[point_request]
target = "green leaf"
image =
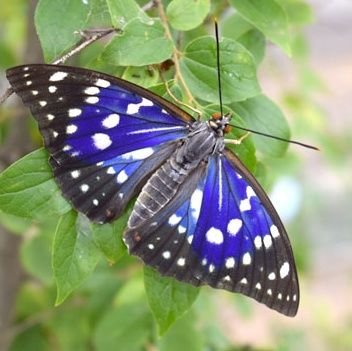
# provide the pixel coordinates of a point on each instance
(35, 256)
(72, 328)
(254, 41)
(108, 237)
(126, 328)
(142, 76)
(183, 335)
(237, 28)
(238, 71)
(27, 188)
(56, 22)
(269, 17)
(14, 224)
(74, 254)
(298, 12)
(263, 115)
(186, 14)
(123, 11)
(140, 44)
(168, 298)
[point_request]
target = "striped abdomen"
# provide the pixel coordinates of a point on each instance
(166, 181)
(158, 191)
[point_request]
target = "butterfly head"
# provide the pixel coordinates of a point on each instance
(220, 123)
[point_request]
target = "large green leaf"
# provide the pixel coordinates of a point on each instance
(269, 17)
(186, 14)
(168, 298)
(56, 23)
(123, 11)
(27, 188)
(125, 327)
(75, 254)
(237, 28)
(108, 237)
(238, 71)
(140, 44)
(183, 335)
(263, 115)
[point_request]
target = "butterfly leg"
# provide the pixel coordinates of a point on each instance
(198, 112)
(237, 141)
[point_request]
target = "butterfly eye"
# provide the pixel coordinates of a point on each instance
(216, 115)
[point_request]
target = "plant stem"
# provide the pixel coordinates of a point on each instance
(175, 55)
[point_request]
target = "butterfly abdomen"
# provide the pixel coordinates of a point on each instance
(163, 185)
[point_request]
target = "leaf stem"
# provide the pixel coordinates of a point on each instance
(176, 53)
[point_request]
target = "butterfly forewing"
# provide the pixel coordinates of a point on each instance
(224, 232)
(105, 135)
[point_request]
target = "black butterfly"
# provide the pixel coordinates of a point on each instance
(200, 215)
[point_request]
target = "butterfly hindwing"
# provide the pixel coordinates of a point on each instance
(224, 232)
(104, 135)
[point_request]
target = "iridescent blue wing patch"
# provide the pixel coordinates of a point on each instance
(105, 136)
(222, 231)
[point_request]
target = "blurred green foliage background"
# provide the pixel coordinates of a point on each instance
(106, 301)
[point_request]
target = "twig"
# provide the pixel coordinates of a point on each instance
(175, 55)
(149, 5)
(88, 37)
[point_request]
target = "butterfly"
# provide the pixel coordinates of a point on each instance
(200, 215)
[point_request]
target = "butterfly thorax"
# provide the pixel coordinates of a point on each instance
(190, 156)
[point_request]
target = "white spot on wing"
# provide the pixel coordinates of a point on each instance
(214, 236)
(258, 242)
(140, 154)
(134, 108)
(52, 89)
(181, 229)
(267, 241)
(258, 286)
(92, 100)
(122, 177)
(272, 276)
(92, 91)
(234, 226)
(29, 82)
(230, 262)
(247, 259)
(75, 174)
(111, 121)
(35, 92)
(71, 129)
(244, 281)
(74, 112)
(101, 141)
(50, 117)
(57, 76)
(181, 261)
(111, 170)
(95, 202)
(245, 205)
(196, 203)
(284, 270)
(102, 83)
(166, 254)
(42, 103)
(274, 231)
(84, 188)
(174, 219)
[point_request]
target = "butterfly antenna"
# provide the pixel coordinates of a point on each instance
(276, 137)
(218, 63)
